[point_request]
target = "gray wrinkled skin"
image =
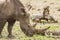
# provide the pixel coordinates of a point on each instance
(12, 10)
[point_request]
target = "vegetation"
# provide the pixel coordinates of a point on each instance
(19, 35)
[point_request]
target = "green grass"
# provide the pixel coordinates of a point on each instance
(21, 36)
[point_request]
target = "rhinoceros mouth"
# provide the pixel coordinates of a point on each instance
(32, 30)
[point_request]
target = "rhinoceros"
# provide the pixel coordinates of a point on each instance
(12, 11)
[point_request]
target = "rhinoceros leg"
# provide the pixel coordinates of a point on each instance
(2, 23)
(10, 26)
